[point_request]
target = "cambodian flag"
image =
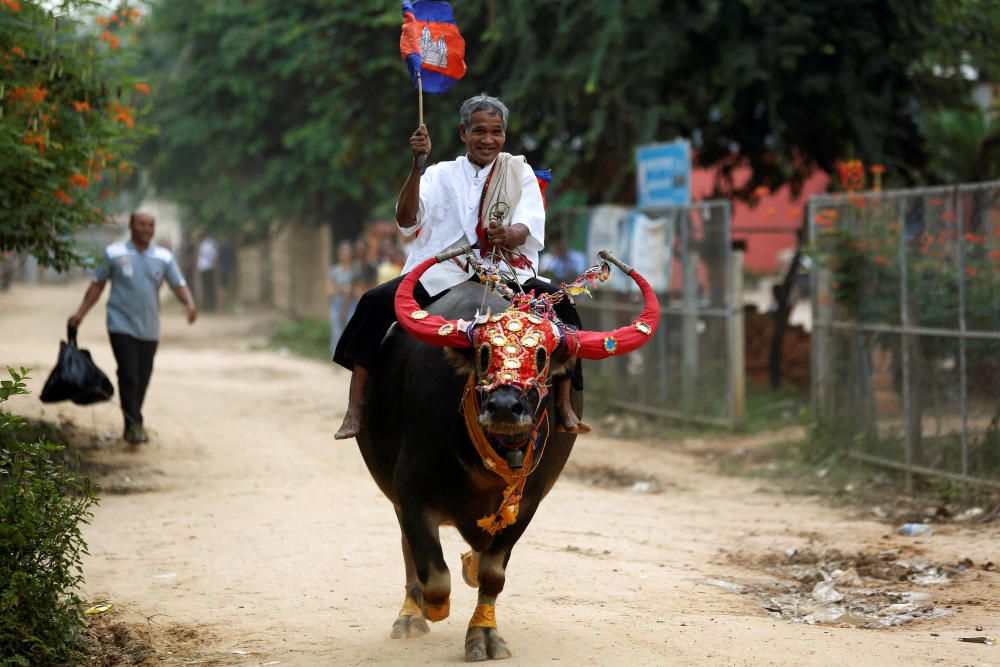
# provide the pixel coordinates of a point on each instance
(431, 45)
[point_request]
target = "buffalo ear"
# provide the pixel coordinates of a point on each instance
(461, 360)
(562, 363)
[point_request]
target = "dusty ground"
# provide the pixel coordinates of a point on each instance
(244, 534)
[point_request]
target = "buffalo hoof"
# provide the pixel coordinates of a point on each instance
(409, 627)
(485, 643)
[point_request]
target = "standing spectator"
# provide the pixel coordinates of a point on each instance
(339, 288)
(560, 262)
(365, 270)
(208, 260)
(391, 263)
(136, 269)
(227, 273)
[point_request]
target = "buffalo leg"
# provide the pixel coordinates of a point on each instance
(410, 622)
(483, 640)
(421, 533)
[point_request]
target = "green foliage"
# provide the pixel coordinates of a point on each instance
(964, 145)
(304, 337)
(269, 110)
(67, 118)
(41, 508)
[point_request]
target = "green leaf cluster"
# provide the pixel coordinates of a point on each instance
(271, 110)
(42, 506)
(67, 115)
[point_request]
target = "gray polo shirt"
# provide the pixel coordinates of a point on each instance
(134, 304)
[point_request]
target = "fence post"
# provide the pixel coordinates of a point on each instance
(689, 308)
(737, 337)
(962, 370)
(822, 304)
(904, 319)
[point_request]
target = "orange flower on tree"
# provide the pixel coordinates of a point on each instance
(142, 88)
(113, 42)
(12, 5)
(81, 107)
(971, 271)
(80, 181)
(36, 139)
(63, 197)
(17, 51)
(851, 174)
(995, 255)
(123, 114)
(880, 260)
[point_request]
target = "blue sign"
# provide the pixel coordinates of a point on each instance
(663, 172)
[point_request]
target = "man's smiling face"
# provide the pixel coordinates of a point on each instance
(484, 137)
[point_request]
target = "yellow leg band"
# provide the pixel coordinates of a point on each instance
(438, 612)
(485, 616)
(410, 608)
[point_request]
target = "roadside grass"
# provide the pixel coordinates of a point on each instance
(818, 465)
(303, 337)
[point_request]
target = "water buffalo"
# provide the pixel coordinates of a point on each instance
(466, 440)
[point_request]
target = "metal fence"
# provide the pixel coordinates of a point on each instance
(906, 337)
(693, 369)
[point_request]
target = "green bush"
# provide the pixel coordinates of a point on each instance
(42, 506)
(304, 337)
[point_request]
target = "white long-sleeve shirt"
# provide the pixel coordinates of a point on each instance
(447, 217)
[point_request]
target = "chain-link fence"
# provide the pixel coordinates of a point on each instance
(906, 338)
(693, 369)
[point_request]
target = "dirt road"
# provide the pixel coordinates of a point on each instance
(244, 534)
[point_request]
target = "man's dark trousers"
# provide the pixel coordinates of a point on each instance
(135, 365)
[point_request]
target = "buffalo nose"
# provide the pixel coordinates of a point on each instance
(504, 407)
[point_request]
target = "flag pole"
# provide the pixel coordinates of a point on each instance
(420, 97)
(420, 110)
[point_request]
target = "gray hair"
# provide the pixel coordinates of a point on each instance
(483, 102)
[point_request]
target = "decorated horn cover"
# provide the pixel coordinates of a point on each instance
(604, 344)
(508, 343)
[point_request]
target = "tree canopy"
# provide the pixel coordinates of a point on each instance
(272, 110)
(67, 124)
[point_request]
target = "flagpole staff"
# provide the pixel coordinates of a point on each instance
(421, 159)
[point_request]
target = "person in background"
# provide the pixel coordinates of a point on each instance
(227, 273)
(391, 264)
(207, 264)
(340, 280)
(559, 261)
(364, 270)
(136, 269)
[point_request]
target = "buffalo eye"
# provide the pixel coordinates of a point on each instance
(541, 359)
(483, 358)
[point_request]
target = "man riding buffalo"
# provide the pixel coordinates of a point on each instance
(486, 198)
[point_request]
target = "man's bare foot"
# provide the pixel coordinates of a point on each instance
(568, 422)
(349, 428)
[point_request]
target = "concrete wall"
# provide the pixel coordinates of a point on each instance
(300, 257)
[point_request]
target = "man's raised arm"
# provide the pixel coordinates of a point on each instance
(408, 202)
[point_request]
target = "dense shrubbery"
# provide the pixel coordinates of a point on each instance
(41, 508)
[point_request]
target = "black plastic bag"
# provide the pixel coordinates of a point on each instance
(76, 377)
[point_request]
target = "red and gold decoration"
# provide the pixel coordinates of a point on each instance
(513, 349)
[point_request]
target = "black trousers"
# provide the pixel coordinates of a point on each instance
(375, 313)
(135, 366)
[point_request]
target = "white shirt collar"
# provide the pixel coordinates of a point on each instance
(474, 170)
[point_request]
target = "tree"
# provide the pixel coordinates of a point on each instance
(276, 110)
(67, 120)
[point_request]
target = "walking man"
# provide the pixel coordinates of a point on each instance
(136, 268)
